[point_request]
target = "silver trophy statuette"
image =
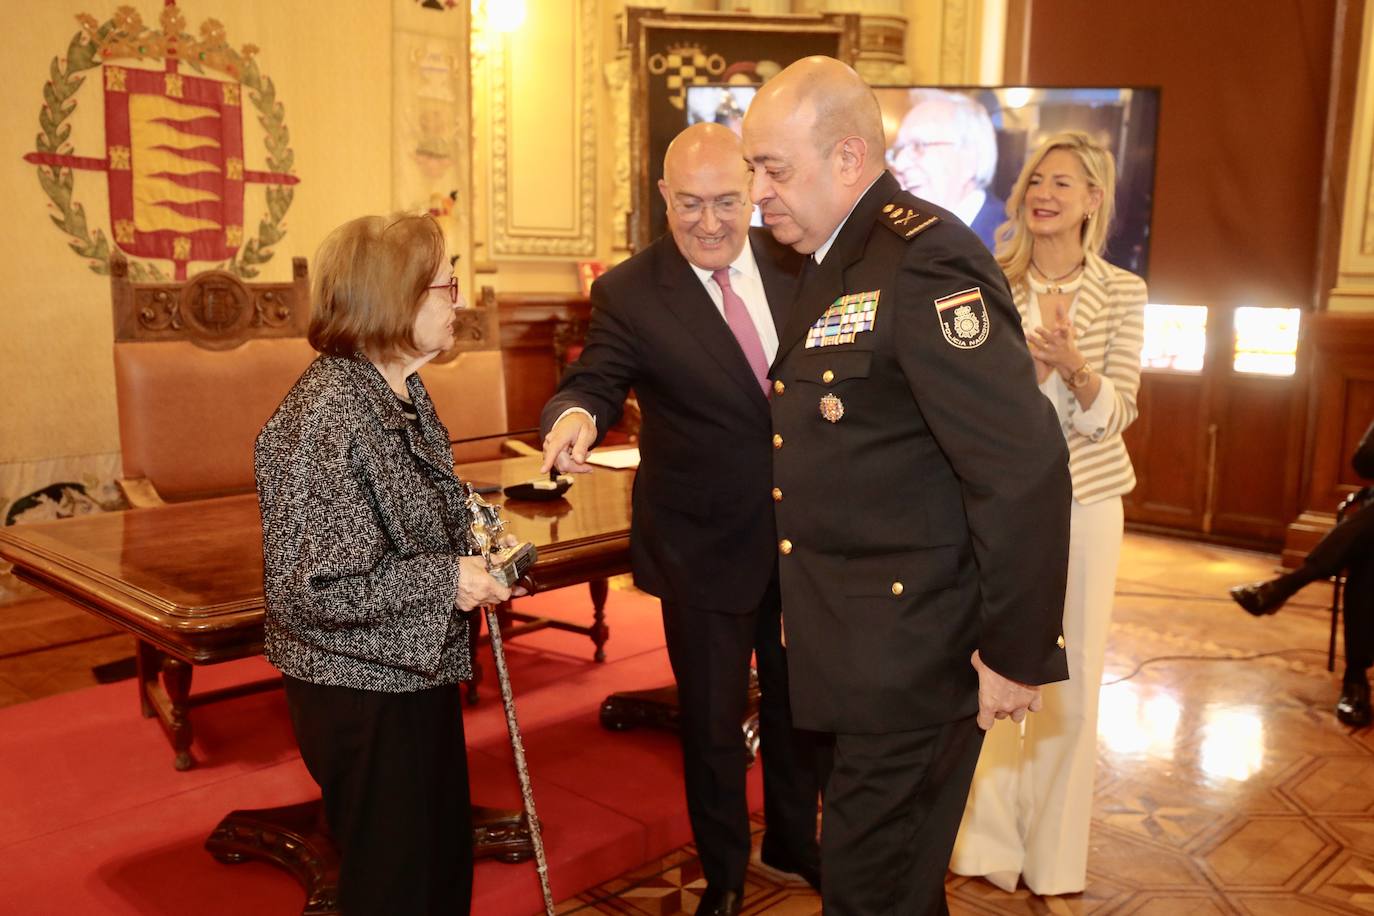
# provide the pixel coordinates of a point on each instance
(506, 564)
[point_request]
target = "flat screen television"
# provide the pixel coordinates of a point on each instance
(939, 148)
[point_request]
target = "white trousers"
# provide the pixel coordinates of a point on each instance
(1031, 802)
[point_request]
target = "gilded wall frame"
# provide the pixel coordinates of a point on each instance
(509, 237)
(669, 49)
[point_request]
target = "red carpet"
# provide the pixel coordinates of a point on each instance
(93, 819)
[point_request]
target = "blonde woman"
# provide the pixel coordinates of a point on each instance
(1028, 812)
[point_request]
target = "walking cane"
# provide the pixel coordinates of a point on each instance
(507, 565)
(522, 769)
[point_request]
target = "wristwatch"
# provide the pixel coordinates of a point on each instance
(1079, 377)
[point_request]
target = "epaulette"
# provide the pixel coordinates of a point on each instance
(906, 221)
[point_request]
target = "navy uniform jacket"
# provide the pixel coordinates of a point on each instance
(701, 530)
(931, 517)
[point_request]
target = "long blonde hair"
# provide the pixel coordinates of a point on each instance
(1014, 239)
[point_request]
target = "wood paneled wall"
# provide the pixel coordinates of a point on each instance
(537, 329)
(1340, 349)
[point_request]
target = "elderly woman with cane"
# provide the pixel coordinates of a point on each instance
(369, 564)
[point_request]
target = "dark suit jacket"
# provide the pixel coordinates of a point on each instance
(991, 214)
(702, 530)
(932, 517)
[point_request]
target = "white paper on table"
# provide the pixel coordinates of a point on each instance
(618, 458)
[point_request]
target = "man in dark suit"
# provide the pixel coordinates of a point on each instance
(922, 491)
(691, 324)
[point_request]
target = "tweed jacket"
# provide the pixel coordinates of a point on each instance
(1109, 320)
(363, 522)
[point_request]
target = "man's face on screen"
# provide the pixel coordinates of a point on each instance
(929, 158)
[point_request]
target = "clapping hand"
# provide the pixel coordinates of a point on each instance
(1055, 347)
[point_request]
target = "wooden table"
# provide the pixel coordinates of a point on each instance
(186, 580)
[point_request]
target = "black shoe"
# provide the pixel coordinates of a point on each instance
(809, 870)
(717, 902)
(1353, 707)
(1261, 598)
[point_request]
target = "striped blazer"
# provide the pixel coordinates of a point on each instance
(1109, 320)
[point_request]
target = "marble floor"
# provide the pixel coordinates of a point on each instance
(1225, 784)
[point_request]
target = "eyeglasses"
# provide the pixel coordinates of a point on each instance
(915, 148)
(451, 286)
(691, 209)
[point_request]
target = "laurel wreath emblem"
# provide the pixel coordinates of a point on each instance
(66, 76)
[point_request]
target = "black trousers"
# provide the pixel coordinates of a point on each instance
(1349, 547)
(892, 809)
(710, 652)
(392, 768)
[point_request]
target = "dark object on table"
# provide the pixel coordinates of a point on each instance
(553, 488)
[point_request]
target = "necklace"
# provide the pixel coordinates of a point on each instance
(1052, 284)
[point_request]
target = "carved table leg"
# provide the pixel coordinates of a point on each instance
(149, 664)
(176, 678)
(164, 691)
(600, 588)
(658, 708)
(296, 839)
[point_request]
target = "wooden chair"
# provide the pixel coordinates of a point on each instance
(199, 367)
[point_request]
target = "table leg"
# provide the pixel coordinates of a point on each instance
(164, 691)
(296, 839)
(600, 588)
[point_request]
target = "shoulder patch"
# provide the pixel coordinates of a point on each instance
(908, 222)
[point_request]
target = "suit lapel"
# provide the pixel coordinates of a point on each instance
(1091, 297)
(825, 282)
(688, 300)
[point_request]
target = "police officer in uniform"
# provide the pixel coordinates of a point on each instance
(921, 490)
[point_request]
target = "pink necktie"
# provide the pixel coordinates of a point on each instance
(737, 316)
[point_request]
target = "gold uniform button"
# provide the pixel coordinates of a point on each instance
(1060, 641)
(777, 440)
(785, 546)
(779, 387)
(897, 588)
(827, 376)
(777, 495)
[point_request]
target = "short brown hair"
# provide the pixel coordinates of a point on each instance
(370, 280)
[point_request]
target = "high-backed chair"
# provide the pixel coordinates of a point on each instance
(199, 367)
(468, 388)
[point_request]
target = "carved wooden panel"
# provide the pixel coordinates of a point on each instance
(1340, 347)
(215, 310)
(534, 329)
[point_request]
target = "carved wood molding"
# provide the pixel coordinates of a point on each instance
(579, 239)
(955, 23)
(215, 310)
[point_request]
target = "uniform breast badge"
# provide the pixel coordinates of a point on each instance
(846, 317)
(832, 408)
(963, 318)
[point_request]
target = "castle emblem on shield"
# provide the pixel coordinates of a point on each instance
(174, 155)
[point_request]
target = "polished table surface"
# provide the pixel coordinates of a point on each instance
(187, 577)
